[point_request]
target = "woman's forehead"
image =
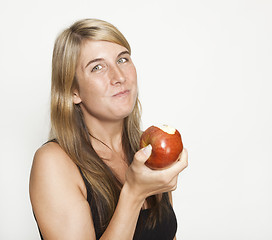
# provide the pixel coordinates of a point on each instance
(92, 49)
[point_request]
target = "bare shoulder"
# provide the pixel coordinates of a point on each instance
(52, 166)
(52, 169)
(49, 153)
(55, 186)
(51, 162)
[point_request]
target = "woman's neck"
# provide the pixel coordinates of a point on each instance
(105, 133)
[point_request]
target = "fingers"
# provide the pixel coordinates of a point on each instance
(150, 182)
(180, 165)
(143, 154)
(174, 170)
(183, 161)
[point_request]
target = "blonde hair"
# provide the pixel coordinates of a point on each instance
(67, 122)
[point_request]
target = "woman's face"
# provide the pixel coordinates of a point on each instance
(107, 81)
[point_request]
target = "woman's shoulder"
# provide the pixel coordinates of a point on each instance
(48, 159)
(49, 151)
(50, 155)
(56, 185)
(51, 163)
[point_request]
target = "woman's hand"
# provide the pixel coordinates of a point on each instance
(144, 182)
(140, 183)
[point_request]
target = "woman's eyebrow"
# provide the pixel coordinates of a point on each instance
(124, 52)
(94, 60)
(99, 59)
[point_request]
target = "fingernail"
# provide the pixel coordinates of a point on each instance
(147, 149)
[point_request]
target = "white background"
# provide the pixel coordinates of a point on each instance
(204, 67)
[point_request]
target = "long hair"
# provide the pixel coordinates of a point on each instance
(67, 122)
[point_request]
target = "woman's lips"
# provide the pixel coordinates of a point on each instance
(122, 93)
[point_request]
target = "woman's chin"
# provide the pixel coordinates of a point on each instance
(122, 113)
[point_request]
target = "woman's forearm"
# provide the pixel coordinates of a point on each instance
(123, 223)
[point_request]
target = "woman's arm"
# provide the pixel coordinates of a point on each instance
(58, 197)
(60, 205)
(140, 183)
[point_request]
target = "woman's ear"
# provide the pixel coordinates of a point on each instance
(76, 97)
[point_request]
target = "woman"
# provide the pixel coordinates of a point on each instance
(90, 181)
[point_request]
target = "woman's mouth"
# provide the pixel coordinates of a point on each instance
(121, 94)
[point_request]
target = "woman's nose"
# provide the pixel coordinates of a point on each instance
(116, 75)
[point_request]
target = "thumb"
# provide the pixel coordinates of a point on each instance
(143, 154)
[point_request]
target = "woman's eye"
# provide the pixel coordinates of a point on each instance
(96, 68)
(122, 60)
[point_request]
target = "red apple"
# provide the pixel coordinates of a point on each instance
(166, 146)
